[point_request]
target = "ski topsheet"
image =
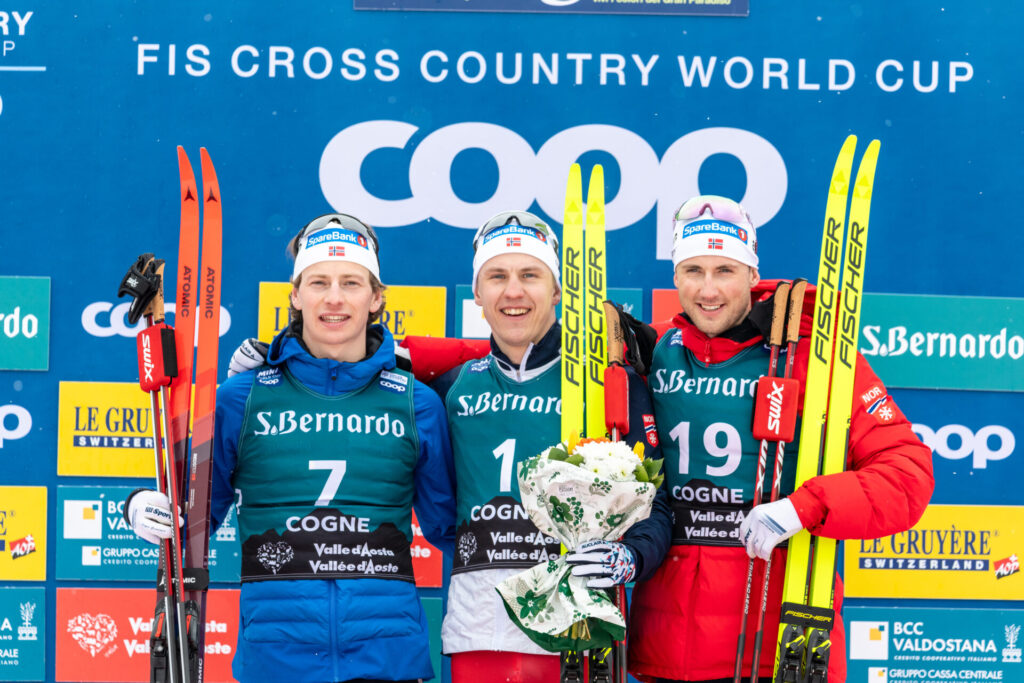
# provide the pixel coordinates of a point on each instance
(807, 615)
(183, 473)
(197, 542)
(573, 332)
(595, 292)
(585, 360)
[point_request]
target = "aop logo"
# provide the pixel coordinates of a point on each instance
(988, 444)
(21, 419)
(104, 319)
(525, 175)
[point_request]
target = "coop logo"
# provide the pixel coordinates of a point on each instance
(104, 319)
(15, 423)
(991, 443)
(525, 175)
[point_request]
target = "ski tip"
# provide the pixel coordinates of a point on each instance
(184, 165)
(574, 175)
(595, 191)
(866, 171)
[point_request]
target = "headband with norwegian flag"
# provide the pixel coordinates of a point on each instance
(335, 243)
(706, 235)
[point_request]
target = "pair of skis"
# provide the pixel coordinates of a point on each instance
(807, 617)
(585, 370)
(166, 368)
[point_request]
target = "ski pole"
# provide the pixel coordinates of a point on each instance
(616, 417)
(157, 368)
(795, 308)
(780, 299)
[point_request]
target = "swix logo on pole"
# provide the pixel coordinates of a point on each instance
(157, 357)
(147, 358)
(775, 409)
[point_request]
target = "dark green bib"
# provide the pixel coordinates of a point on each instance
(705, 414)
(496, 424)
(326, 482)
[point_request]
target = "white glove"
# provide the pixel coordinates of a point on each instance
(250, 354)
(767, 525)
(149, 513)
(611, 563)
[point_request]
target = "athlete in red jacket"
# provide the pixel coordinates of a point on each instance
(685, 620)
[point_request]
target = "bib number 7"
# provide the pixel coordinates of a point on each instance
(337, 473)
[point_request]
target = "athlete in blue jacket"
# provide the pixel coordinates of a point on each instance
(326, 448)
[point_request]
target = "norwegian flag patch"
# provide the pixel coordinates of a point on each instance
(882, 411)
(715, 243)
(650, 430)
(514, 242)
(335, 251)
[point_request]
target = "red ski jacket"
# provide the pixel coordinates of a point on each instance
(685, 620)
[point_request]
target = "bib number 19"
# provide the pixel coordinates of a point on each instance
(732, 451)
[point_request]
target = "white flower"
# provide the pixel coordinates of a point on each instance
(614, 461)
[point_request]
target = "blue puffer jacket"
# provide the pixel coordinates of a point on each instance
(336, 630)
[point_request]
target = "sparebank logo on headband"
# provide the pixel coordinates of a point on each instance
(335, 235)
(515, 231)
(716, 227)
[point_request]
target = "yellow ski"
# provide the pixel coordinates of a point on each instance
(595, 290)
(807, 592)
(573, 331)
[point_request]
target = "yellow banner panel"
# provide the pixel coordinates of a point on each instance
(22, 533)
(408, 310)
(104, 429)
(968, 552)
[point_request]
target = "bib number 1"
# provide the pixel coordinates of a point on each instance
(506, 452)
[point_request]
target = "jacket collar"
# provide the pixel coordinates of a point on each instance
(538, 357)
(328, 376)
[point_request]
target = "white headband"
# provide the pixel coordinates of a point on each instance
(335, 243)
(516, 239)
(708, 236)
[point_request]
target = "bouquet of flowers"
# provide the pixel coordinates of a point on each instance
(576, 491)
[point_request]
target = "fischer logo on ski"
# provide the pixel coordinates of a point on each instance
(803, 646)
